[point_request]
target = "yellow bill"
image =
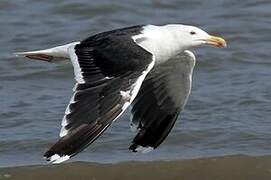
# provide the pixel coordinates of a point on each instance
(217, 41)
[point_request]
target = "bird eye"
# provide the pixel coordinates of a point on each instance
(192, 32)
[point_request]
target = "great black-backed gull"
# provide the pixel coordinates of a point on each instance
(146, 66)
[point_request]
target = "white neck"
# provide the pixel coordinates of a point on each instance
(160, 41)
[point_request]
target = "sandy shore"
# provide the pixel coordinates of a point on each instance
(221, 168)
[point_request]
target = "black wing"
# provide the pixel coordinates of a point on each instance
(163, 94)
(107, 70)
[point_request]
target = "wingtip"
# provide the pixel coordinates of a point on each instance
(141, 149)
(56, 158)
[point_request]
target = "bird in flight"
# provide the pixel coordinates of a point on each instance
(145, 67)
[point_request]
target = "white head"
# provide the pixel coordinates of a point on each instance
(167, 41)
(191, 36)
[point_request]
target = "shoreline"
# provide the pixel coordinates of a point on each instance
(222, 168)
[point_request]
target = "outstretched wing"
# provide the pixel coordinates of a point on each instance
(109, 74)
(162, 96)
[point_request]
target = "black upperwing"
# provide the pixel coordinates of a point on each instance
(105, 65)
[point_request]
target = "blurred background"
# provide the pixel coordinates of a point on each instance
(228, 112)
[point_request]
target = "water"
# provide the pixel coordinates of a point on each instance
(228, 111)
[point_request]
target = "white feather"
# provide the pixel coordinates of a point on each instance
(143, 150)
(59, 51)
(56, 159)
(77, 69)
(135, 88)
(159, 41)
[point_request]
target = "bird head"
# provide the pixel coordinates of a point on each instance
(191, 36)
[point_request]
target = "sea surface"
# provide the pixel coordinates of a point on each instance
(229, 110)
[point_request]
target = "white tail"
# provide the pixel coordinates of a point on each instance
(58, 53)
